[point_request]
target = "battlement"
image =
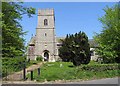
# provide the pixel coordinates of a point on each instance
(46, 12)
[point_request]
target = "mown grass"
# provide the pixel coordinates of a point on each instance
(66, 71)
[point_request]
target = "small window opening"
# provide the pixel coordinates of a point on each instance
(45, 34)
(45, 22)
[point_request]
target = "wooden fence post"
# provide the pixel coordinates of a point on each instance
(24, 72)
(38, 71)
(31, 75)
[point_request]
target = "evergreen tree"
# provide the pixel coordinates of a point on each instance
(76, 48)
(65, 52)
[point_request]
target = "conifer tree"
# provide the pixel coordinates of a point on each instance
(76, 48)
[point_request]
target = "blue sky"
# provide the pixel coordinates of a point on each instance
(69, 17)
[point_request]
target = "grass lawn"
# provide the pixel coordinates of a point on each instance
(66, 71)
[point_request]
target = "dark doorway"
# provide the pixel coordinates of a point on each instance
(46, 56)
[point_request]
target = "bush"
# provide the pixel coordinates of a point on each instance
(39, 58)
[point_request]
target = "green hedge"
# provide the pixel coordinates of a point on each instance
(101, 67)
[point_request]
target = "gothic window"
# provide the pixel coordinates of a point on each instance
(45, 22)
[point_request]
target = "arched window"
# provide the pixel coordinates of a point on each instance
(45, 22)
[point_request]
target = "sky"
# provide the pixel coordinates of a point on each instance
(70, 17)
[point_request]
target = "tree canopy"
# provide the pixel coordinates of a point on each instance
(12, 32)
(75, 48)
(109, 38)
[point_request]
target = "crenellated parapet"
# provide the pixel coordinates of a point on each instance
(46, 12)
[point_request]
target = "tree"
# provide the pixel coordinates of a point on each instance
(109, 38)
(75, 48)
(12, 32)
(64, 50)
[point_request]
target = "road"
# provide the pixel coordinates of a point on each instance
(99, 81)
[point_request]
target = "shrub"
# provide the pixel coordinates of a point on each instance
(39, 58)
(100, 67)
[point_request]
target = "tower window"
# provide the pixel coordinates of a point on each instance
(45, 34)
(45, 22)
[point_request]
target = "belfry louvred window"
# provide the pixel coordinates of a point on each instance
(45, 22)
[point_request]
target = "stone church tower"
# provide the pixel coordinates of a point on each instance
(44, 42)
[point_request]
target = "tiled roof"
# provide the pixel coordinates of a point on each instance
(91, 41)
(32, 41)
(58, 40)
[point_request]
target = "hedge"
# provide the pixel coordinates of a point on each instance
(101, 67)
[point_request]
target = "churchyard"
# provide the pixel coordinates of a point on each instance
(57, 71)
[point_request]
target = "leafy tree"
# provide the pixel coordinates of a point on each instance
(109, 38)
(75, 48)
(12, 33)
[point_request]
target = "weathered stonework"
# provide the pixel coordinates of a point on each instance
(45, 41)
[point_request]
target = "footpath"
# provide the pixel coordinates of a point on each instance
(18, 76)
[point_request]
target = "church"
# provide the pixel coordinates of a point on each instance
(45, 43)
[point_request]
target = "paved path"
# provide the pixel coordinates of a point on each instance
(19, 75)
